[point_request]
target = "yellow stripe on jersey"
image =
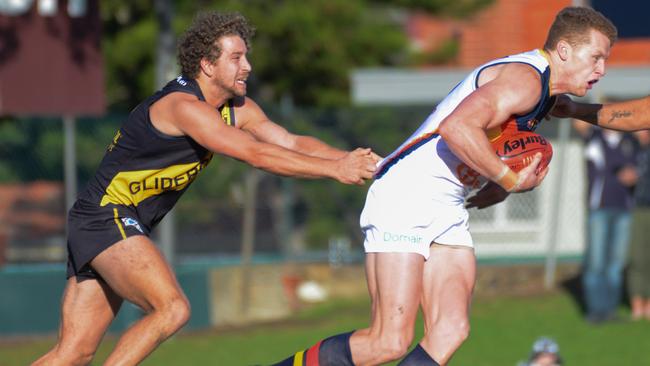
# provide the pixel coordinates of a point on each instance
(297, 358)
(132, 187)
(118, 223)
(227, 113)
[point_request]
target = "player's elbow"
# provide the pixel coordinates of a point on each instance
(256, 156)
(448, 129)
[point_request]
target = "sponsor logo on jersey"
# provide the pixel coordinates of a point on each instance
(127, 221)
(132, 187)
(114, 142)
(532, 124)
(413, 239)
(227, 112)
(181, 81)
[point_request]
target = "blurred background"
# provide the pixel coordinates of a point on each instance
(249, 246)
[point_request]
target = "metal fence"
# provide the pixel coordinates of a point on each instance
(293, 218)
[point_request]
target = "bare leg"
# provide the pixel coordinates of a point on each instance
(638, 307)
(136, 270)
(394, 282)
(447, 287)
(646, 308)
(87, 309)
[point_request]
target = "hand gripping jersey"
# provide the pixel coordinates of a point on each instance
(145, 169)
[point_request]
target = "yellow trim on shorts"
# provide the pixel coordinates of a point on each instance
(118, 223)
(297, 358)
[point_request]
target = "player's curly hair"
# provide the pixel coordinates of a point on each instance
(200, 39)
(573, 23)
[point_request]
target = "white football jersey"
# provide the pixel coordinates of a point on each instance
(451, 167)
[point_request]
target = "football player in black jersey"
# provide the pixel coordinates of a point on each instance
(165, 143)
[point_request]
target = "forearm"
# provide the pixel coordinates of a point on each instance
(629, 115)
(314, 147)
(471, 145)
(281, 161)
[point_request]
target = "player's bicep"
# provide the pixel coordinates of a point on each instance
(511, 93)
(270, 132)
(254, 121)
(205, 126)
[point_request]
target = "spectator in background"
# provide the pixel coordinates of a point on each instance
(611, 168)
(638, 277)
(545, 352)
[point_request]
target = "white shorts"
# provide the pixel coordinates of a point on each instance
(414, 205)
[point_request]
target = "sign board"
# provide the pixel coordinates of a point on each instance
(50, 58)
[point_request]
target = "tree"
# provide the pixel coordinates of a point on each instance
(303, 48)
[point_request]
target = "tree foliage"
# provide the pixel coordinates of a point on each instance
(303, 51)
(303, 48)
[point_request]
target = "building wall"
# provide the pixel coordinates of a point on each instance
(507, 27)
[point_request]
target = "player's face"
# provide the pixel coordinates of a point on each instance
(232, 67)
(587, 63)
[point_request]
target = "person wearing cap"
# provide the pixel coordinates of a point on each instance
(545, 352)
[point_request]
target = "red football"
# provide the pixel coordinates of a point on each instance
(518, 149)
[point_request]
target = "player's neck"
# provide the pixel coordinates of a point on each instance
(213, 95)
(558, 84)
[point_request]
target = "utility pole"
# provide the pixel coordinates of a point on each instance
(165, 69)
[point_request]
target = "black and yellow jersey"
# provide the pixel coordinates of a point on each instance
(146, 169)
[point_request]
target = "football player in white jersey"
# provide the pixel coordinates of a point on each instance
(419, 250)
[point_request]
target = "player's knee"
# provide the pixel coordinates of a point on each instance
(394, 345)
(77, 355)
(463, 329)
(82, 358)
(178, 312)
(457, 328)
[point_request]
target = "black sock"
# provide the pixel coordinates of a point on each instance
(332, 351)
(335, 351)
(418, 357)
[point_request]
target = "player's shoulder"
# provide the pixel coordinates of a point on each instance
(507, 75)
(537, 59)
(178, 100)
(247, 110)
(521, 71)
(185, 106)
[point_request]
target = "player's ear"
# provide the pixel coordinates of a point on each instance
(563, 48)
(207, 67)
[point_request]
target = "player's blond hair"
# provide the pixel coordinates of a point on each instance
(200, 39)
(572, 24)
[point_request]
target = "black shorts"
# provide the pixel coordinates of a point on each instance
(93, 228)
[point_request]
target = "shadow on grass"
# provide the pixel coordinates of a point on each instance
(573, 287)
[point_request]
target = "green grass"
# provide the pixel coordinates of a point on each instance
(503, 330)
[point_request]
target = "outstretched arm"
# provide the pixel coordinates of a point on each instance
(204, 124)
(253, 120)
(630, 115)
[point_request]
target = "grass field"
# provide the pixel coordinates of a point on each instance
(503, 330)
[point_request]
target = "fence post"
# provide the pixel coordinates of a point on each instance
(564, 127)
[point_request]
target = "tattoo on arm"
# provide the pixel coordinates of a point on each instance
(617, 115)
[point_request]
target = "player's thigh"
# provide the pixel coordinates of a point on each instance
(395, 281)
(448, 281)
(88, 308)
(137, 271)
